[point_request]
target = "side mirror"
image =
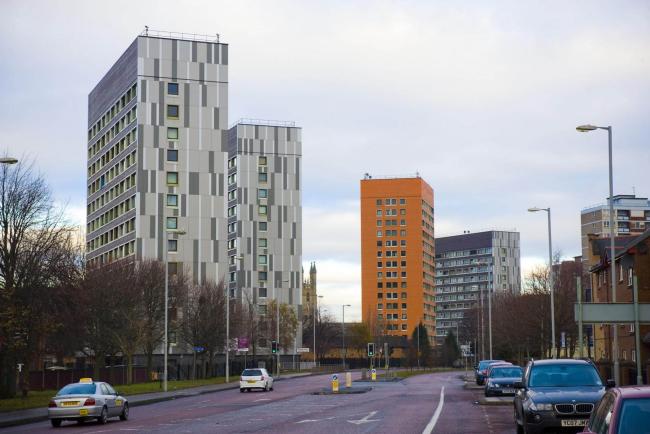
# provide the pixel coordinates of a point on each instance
(610, 383)
(519, 384)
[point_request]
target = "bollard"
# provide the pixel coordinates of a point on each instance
(335, 383)
(348, 379)
(373, 374)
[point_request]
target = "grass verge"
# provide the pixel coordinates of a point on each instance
(408, 373)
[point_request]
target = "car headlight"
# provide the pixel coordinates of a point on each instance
(541, 407)
(496, 385)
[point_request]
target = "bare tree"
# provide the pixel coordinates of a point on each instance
(37, 256)
(288, 324)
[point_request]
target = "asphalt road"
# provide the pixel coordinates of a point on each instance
(433, 403)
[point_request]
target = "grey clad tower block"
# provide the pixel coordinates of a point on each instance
(265, 214)
(157, 153)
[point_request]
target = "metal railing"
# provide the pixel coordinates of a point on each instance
(264, 122)
(179, 35)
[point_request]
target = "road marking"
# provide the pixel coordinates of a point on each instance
(308, 420)
(365, 419)
(262, 399)
(434, 419)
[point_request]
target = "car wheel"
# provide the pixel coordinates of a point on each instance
(242, 390)
(103, 418)
(125, 412)
(271, 389)
(56, 422)
(266, 387)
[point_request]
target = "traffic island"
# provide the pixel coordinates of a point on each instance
(496, 400)
(343, 390)
(379, 380)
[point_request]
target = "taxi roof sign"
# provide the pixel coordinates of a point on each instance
(86, 380)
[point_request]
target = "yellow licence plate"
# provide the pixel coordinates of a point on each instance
(69, 403)
(252, 381)
(83, 412)
(574, 422)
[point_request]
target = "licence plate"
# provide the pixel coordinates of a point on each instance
(574, 422)
(83, 412)
(252, 381)
(69, 403)
(508, 390)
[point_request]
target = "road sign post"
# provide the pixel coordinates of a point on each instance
(335, 383)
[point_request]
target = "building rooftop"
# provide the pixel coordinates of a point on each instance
(264, 122)
(367, 176)
(164, 34)
(620, 200)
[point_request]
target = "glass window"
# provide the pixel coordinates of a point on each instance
(262, 177)
(262, 292)
(172, 88)
(262, 226)
(378, 213)
(172, 111)
(262, 242)
(78, 389)
(262, 210)
(261, 275)
(262, 193)
(172, 245)
(261, 259)
(172, 200)
(261, 160)
(172, 133)
(402, 201)
(172, 178)
(564, 376)
(172, 223)
(172, 155)
(379, 233)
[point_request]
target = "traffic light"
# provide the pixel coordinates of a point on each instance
(274, 347)
(371, 349)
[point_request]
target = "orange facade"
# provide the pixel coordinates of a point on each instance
(397, 255)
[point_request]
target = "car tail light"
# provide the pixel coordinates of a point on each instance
(51, 404)
(90, 401)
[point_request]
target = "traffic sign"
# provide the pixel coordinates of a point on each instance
(242, 350)
(302, 350)
(335, 377)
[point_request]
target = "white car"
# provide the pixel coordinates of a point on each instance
(257, 378)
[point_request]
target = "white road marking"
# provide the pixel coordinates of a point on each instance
(365, 419)
(434, 419)
(262, 399)
(308, 420)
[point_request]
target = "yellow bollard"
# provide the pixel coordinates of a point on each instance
(335, 383)
(373, 374)
(348, 379)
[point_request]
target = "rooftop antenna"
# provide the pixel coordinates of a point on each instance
(146, 30)
(217, 38)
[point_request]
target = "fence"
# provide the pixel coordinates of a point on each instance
(55, 379)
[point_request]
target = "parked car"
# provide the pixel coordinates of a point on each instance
(481, 370)
(556, 394)
(622, 410)
(491, 366)
(501, 380)
(87, 400)
(257, 378)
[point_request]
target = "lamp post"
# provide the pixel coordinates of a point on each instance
(166, 337)
(343, 329)
(237, 258)
(550, 276)
(8, 160)
(612, 238)
(315, 314)
(277, 323)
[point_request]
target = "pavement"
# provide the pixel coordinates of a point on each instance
(429, 403)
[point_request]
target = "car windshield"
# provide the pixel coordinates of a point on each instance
(485, 363)
(506, 372)
(251, 373)
(562, 375)
(77, 389)
(635, 416)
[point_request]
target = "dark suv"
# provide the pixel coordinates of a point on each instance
(556, 394)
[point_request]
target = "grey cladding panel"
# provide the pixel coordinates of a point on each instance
(194, 183)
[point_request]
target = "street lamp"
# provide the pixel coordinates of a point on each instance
(277, 324)
(237, 258)
(343, 328)
(550, 275)
(585, 129)
(8, 160)
(166, 337)
(315, 313)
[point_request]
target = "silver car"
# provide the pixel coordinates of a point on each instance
(87, 400)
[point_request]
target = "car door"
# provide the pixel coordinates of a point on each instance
(108, 399)
(602, 415)
(118, 402)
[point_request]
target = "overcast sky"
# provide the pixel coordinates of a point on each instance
(481, 98)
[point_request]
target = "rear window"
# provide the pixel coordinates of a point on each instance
(635, 416)
(251, 373)
(485, 363)
(506, 372)
(77, 389)
(564, 376)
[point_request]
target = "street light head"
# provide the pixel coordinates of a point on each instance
(586, 128)
(534, 209)
(8, 160)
